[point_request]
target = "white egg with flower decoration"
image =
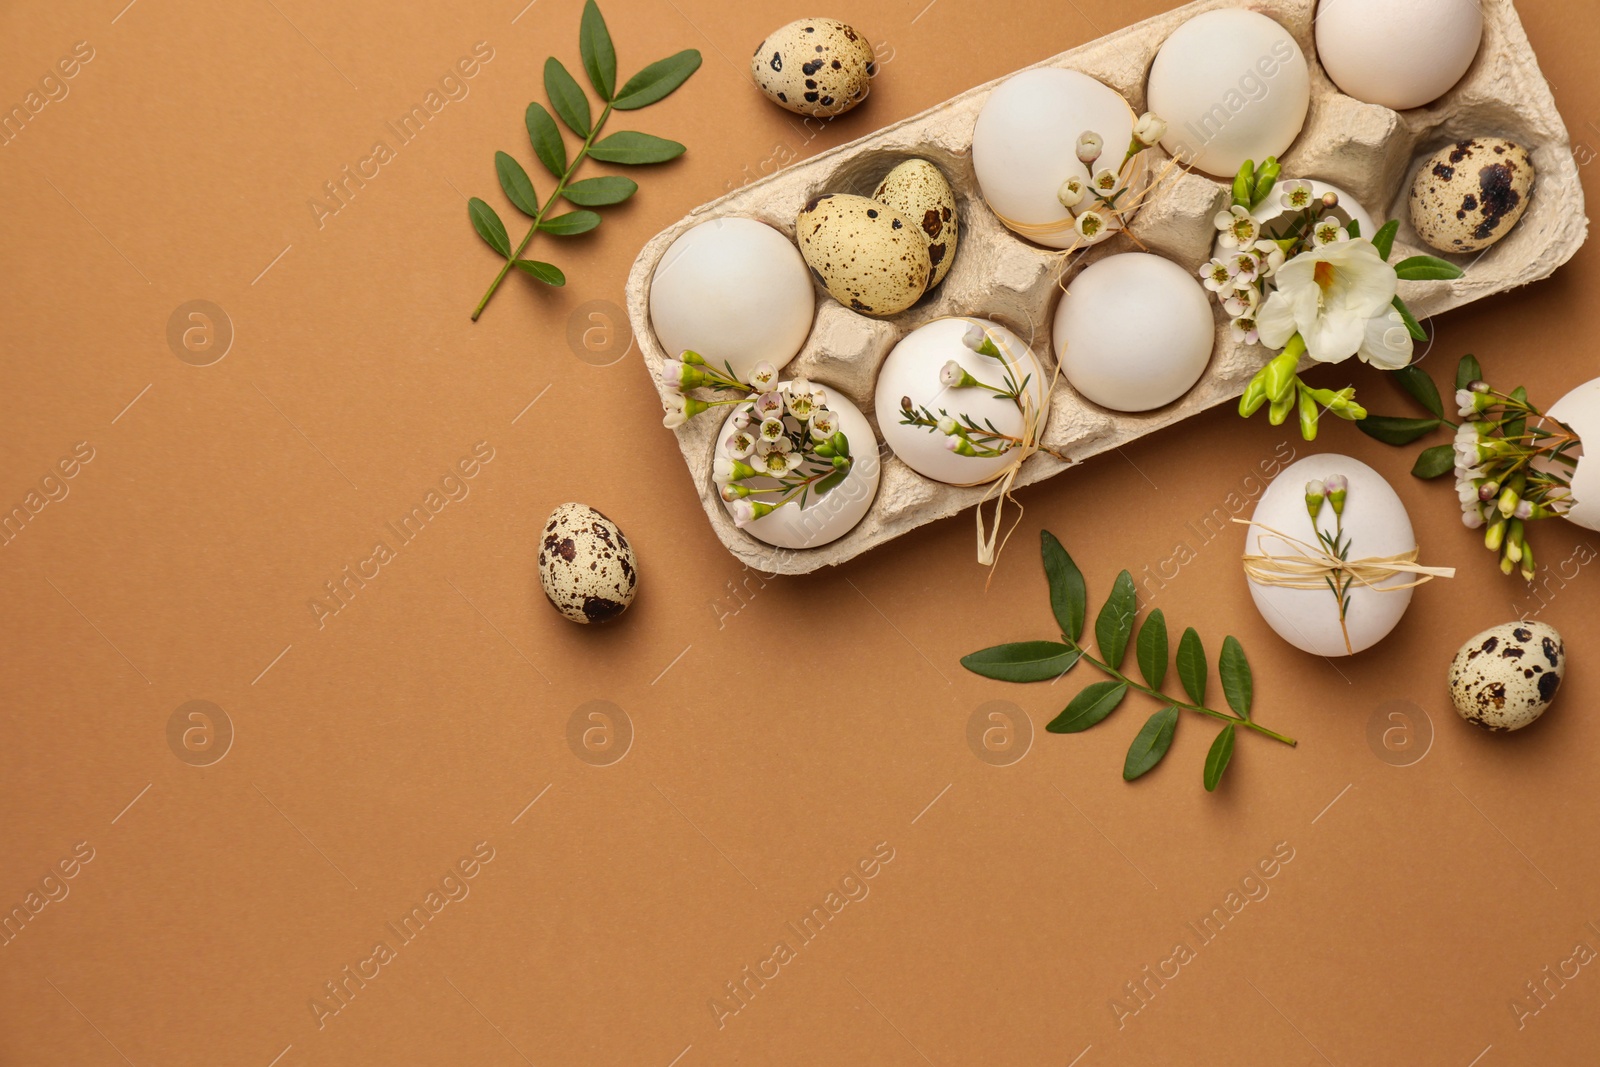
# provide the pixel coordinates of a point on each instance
(1331, 557)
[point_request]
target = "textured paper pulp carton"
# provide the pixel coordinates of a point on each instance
(1367, 150)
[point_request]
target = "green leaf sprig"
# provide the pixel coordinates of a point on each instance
(572, 106)
(1044, 661)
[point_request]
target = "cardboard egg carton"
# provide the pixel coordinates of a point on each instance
(1367, 150)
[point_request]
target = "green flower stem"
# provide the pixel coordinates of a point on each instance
(1232, 720)
(561, 187)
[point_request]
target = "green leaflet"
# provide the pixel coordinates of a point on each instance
(1192, 665)
(489, 226)
(1151, 743)
(601, 192)
(595, 49)
(1234, 670)
(633, 148)
(1396, 431)
(572, 222)
(1089, 707)
(1025, 661)
(657, 80)
(566, 98)
(1415, 380)
(514, 182)
(1114, 625)
(1383, 240)
(1068, 598)
(545, 137)
(1217, 758)
(1151, 649)
(548, 273)
(1435, 461)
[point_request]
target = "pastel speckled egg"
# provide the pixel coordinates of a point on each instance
(817, 67)
(586, 566)
(871, 258)
(1468, 195)
(1507, 676)
(918, 190)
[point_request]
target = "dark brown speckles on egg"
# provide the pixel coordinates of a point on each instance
(586, 566)
(1469, 195)
(1499, 680)
(818, 68)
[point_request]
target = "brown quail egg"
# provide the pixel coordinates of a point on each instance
(917, 190)
(816, 67)
(586, 566)
(1507, 676)
(871, 258)
(1469, 195)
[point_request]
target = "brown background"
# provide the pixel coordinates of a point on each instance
(373, 753)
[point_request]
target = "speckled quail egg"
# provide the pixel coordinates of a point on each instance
(918, 190)
(816, 67)
(1507, 676)
(1468, 195)
(871, 258)
(586, 566)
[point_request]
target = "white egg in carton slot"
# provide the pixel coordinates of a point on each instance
(1365, 149)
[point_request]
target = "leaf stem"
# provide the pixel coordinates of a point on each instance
(1159, 695)
(561, 187)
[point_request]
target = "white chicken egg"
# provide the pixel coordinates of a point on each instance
(1134, 332)
(1025, 145)
(1580, 410)
(912, 373)
(1375, 524)
(832, 515)
(734, 290)
(1398, 53)
(1232, 85)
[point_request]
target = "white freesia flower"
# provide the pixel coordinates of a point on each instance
(1237, 226)
(1150, 129)
(1386, 342)
(1329, 296)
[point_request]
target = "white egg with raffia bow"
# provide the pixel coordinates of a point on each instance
(1374, 526)
(1232, 85)
(912, 373)
(734, 290)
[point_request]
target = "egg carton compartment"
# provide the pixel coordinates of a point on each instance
(1368, 150)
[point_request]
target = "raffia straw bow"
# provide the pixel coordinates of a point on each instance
(1312, 565)
(990, 541)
